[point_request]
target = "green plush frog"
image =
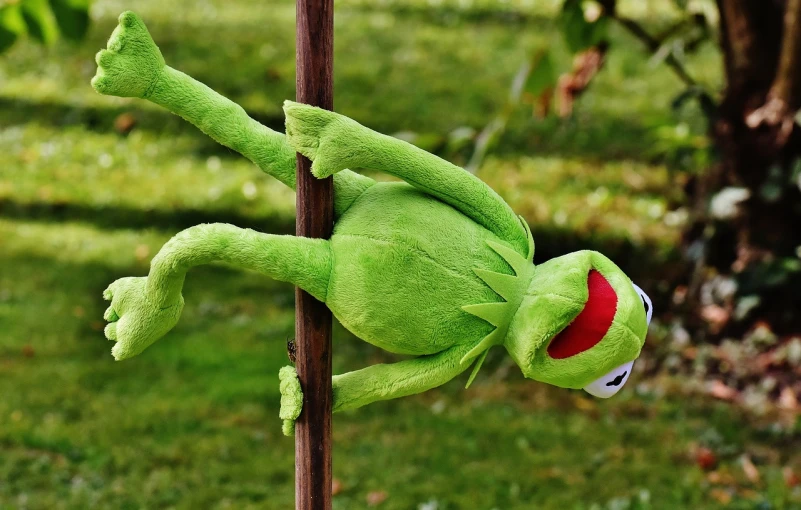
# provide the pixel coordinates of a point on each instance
(437, 266)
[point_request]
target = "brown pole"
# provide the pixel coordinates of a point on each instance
(315, 218)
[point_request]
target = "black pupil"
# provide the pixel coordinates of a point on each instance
(644, 304)
(618, 379)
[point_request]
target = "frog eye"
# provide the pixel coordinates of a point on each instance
(646, 303)
(609, 384)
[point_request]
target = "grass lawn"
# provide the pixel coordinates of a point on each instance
(192, 423)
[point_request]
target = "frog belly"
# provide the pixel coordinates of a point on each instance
(403, 268)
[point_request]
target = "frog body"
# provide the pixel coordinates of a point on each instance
(401, 231)
(437, 266)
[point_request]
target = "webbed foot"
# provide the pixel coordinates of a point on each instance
(333, 142)
(132, 63)
(135, 321)
(291, 399)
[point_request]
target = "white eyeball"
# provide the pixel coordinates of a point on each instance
(609, 384)
(646, 302)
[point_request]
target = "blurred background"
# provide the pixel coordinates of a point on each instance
(662, 133)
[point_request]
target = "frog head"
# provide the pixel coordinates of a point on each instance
(580, 324)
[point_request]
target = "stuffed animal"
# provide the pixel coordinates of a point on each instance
(438, 266)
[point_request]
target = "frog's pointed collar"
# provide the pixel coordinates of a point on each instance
(511, 288)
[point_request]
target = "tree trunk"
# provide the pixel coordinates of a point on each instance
(758, 243)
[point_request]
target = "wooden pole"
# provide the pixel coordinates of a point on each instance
(315, 218)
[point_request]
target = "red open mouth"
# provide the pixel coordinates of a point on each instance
(591, 325)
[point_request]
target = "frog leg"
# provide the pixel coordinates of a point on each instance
(334, 142)
(387, 381)
(133, 66)
(377, 382)
(144, 309)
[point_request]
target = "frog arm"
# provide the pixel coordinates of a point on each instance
(388, 381)
(301, 261)
(144, 309)
(226, 122)
(133, 66)
(334, 142)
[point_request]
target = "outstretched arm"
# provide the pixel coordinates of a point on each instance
(144, 309)
(132, 66)
(335, 142)
(226, 122)
(374, 383)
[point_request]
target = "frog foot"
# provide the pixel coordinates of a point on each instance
(333, 142)
(135, 321)
(291, 399)
(131, 64)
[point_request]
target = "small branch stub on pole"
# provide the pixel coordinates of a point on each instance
(315, 217)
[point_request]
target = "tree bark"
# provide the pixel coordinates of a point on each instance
(315, 218)
(759, 150)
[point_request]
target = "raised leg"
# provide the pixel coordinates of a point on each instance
(144, 309)
(133, 66)
(335, 142)
(377, 382)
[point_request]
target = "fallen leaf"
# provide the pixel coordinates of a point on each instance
(720, 478)
(765, 360)
(790, 478)
(680, 294)
(719, 390)
(750, 470)
(721, 496)
(716, 315)
(27, 351)
(124, 123)
(375, 498)
(336, 486)
(706, 458)
(787, 399)
(748, 494)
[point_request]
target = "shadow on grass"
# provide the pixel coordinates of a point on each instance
(119, 217)
(547, 137)
(449, 15)
(502, 13)
(101, 119)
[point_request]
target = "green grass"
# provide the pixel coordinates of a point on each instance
(192, 423)
(428, 77)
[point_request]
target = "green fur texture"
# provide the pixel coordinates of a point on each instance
(437, 266)
(291, 399)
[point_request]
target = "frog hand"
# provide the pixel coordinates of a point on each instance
(132, 64)
(135, 321)
(291, 399)
(333, 142)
